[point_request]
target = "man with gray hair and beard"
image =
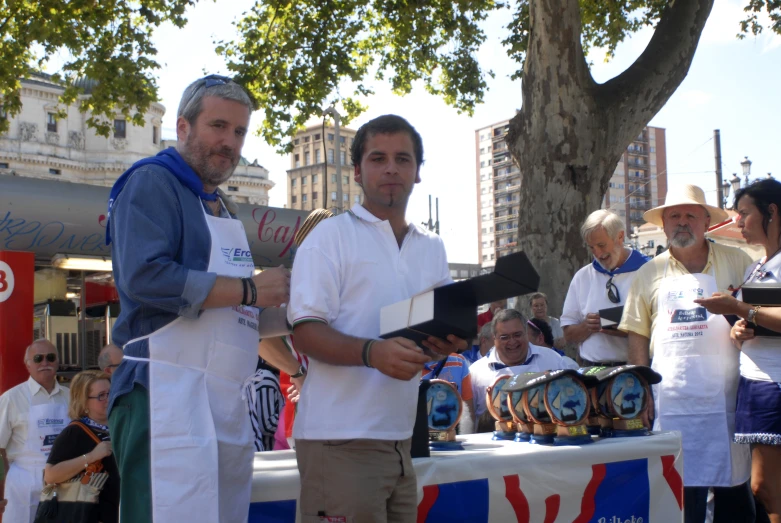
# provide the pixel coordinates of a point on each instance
(188, 324)
(691, 349)
(602, 284)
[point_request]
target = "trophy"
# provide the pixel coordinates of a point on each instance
(622, 397)
(444, 408)
(496, 403)
(557, 404)
(523, 425)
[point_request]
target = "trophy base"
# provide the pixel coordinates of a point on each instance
(561, 441)
(442, 435)
(522, 437)
(445, 445)
(542, 439)
(594, 430)
(503, 435)
(629, 428)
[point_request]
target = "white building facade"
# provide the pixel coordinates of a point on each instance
(40, 145)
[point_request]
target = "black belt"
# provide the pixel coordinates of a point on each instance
(588, 363)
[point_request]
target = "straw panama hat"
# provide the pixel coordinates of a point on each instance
(684, 195)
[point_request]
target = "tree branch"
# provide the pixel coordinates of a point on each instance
(641, 91)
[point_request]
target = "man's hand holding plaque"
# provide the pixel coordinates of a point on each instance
(398, 358)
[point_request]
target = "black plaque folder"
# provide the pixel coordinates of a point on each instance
(452, 308)
(610, 318)
(764, 294)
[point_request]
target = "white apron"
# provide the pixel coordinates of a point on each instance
(201, 439)
(24, 479)
(697, 395)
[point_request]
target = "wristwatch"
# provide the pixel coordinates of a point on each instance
(752, 314)
(301, 372)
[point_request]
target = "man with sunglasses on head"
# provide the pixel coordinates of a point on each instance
(602, 284)
(512, 354)
(32, 414)
(109, 358)
(691, 349)
(188, 324)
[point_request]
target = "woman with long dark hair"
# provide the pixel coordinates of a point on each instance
(758, 412)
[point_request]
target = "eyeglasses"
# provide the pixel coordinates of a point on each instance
(612, 291)
(112, 366)
(517, 336)
(103, 396)
(51, 357)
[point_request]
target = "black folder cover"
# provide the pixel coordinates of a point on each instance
(455, 304)
(610, 318)
(764, 294)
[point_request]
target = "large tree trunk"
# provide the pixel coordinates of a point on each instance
(571, 131)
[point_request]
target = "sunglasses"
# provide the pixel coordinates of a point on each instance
(51, 358)
(103, 396)
(208, 81)
(612, 291)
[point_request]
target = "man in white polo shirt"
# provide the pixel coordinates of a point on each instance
(513, 354)
(358, 403)
(602, 284)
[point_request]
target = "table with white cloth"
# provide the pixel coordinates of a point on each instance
(620, 480)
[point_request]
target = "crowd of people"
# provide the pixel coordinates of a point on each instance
(165, 420)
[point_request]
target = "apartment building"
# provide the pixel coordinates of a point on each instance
(313, 178)
(638, 183)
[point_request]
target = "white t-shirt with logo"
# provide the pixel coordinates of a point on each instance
(587, 293)
(346, 270)
(760, 358)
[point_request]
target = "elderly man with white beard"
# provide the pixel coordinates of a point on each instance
(691, 349)
(602, 284)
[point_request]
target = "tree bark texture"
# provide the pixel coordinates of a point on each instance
(571, 131)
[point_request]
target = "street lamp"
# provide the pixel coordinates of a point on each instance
(746, 165)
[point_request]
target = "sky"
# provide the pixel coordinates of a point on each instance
(732, 86)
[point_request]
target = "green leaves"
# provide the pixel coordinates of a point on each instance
(108, 41)
(296, 58)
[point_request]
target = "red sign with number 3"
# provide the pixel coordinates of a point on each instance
(16, 315)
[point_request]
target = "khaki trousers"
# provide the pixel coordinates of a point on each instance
(356, 481)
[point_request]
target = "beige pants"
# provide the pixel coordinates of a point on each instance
(356, 481)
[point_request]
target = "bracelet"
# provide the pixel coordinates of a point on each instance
(367, 347)
(254, 290)
(86, 461)
(244, 287)
(300, 373)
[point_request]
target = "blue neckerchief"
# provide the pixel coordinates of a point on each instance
(635, 261)
(437, 369)
(495, 365)
(168, 159)
(94, 424)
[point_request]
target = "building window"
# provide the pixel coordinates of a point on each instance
(306, 139)
(346, 197)
(342, 140)
(357, 198)
(295, 142)
(3, 113)
(51, 122)
(317, 137)
(292, 182)
(343, 157)
(345, 180)
(155, 135)
(120, 130)
(317, 156)
(293, 199)
(333, 196)
(55, 171)
(233, 188)
(314, 178)
(333, 178)
(303, 180)
(306, 157)
(314, 195)
(330, 156)
(297, 160)
(3, 165)
(303, 198)
(330, 137)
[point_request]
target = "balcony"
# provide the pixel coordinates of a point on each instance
(501, 159)
(506, 218)
(505, 176)
(508, 245)
(500, 204)
(509, 188)
(637, 165)
(642, 138)
(637, 151)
